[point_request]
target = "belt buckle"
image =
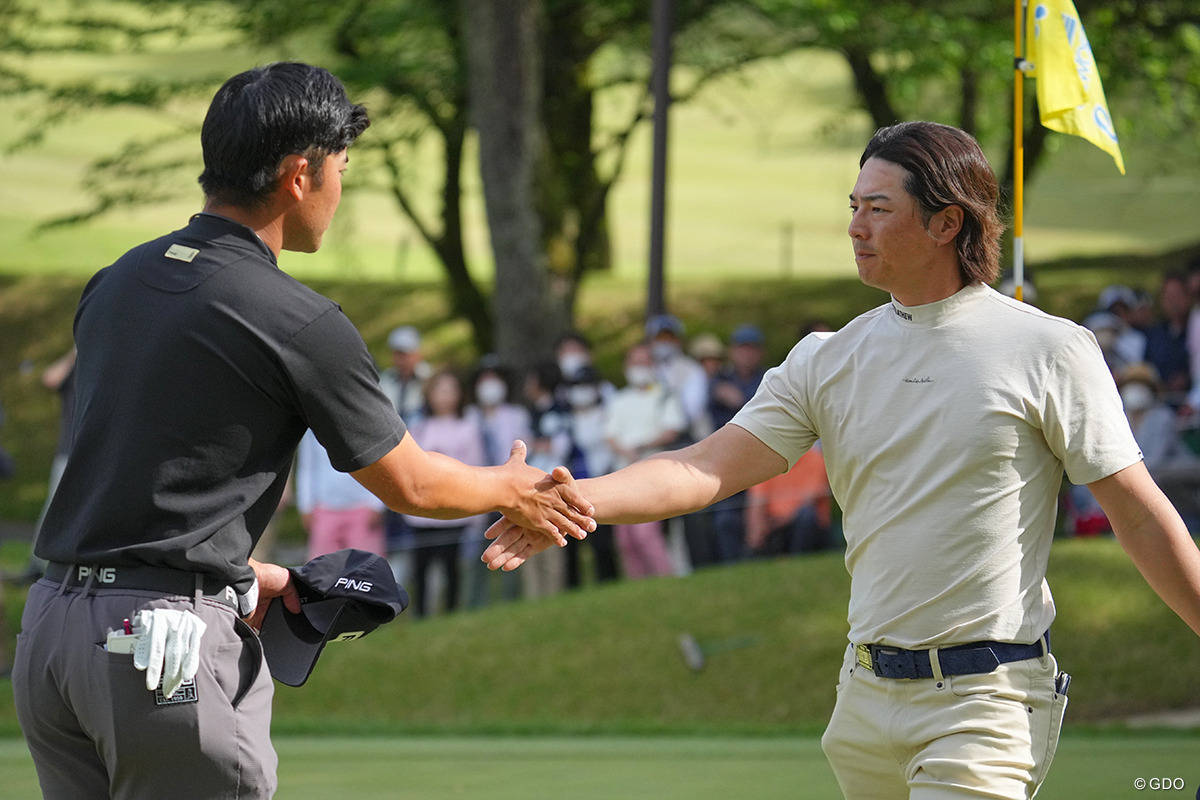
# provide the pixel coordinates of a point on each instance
(893, 663)
(862, 652)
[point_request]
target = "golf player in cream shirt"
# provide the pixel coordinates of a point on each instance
(947, 418)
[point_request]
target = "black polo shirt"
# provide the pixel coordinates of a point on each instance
(200, 365)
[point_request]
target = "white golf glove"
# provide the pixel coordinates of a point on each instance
(168, 647)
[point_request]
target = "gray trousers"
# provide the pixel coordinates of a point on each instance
(97, 733)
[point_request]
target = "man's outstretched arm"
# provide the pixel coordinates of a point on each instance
(1152, 533)
(427, 484)
(663, 485)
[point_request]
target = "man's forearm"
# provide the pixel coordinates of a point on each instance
(681, 481)
(661, 486)
(428, 484)
(1155, 538)
(413, 481)
(1167, 557)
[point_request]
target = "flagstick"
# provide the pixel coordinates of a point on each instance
(1018, 154)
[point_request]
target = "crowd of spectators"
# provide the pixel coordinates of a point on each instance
(1153, 351)
(672, 392)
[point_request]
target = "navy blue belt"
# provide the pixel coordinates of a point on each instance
(151, 579)
(975, 658)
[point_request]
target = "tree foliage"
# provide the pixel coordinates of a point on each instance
(409, 59)
(919, 59)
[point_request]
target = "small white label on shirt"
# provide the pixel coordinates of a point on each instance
(181, 253)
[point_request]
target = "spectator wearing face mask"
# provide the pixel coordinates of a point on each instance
(679, 373)
(549, 446)
(1107, 327)
(573, 354)
(1125, 303)
(643, 418)
(693, 536)
(1155, 425)
(500, 421)
(590, 458)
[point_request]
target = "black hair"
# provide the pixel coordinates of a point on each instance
(259, 117)
(574, 336)
(547, 374)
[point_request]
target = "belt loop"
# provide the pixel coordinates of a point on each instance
(87, 585)
(1044, 641)
(62, 585)
(199, 595)
(936, 665)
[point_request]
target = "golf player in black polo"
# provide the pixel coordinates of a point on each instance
(201, 364)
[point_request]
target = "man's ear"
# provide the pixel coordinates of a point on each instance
(293, 176)
(945, 224)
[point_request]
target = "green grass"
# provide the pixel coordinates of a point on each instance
(587, 696)
(606, 660)
(601, 768)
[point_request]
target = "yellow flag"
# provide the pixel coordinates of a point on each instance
(1069, 93)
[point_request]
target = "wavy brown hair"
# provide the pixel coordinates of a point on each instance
(946, 167)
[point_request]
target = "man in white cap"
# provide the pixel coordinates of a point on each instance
(404, 381)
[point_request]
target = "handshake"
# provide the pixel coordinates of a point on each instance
(520, 536)
(513, 545)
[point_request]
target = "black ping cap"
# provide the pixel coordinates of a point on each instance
(344, 595)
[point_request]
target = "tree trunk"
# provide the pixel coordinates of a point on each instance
(466, 296)
(505, 82)
(968, 109)
(871, 87)
(574, 198)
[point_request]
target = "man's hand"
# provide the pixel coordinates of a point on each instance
(273, 581)
(513, 545)
(554, 508)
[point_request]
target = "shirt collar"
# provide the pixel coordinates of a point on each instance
(931, 315)
(211, 225)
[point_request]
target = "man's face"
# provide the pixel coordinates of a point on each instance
(314, 213)
(639, 356)
(1174, 300)
(406, 362)
(893, 249)
(746, 357)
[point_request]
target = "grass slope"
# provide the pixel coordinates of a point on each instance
(607, 659)
(594, 768)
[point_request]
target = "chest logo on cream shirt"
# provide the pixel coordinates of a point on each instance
(926, 379)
